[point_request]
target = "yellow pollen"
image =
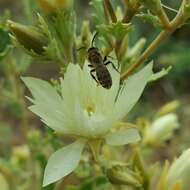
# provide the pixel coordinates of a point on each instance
(90, 109)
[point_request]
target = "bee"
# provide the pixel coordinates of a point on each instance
(98, 65)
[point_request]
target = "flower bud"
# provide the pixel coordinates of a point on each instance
(34, 137)
(179, 172)
(28, 37)
(51, 6)
(168, 108)
(21, 154)
(161, 129)
(186, 9)
(121, 175)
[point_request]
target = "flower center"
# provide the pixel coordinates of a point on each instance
(90, 109)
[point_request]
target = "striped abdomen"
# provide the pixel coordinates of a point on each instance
(103, 76)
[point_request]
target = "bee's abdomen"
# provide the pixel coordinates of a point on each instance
(104, 76)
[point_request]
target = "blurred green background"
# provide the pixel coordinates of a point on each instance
(24, 152)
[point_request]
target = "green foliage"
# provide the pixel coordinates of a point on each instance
(152, 5)
(29, 37)
(98, 12)
(4, 183)
(162, 73)
(99, 182)
(117, 30)
(149, 18)
(187, 11)
(4, 42)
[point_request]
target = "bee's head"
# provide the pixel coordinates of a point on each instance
(92, 50)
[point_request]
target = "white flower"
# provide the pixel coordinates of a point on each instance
(86, 111)
(179, 172)
(161, 129)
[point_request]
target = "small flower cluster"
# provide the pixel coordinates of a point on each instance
(88, 112)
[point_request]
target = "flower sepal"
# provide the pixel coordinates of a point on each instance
(124, 175)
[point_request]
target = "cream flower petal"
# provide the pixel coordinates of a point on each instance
(179, 171)
(63, 162)
(78, 86)
(82, 92)
(85, 109)
(123, 133)
(40, 89)
(122, 137)
(132, 91)
(47, 103)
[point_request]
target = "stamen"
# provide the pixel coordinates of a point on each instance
(90, 109)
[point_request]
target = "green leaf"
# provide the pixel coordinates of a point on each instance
(98, 11)
(63, 162)
(149, 18)
(160, 74)
(123, 136)
(132, 90)
(63, 24)
(4, 39)
(28, 37)
(4, 42)
(118, 30)
(99, 182)
(187, 11)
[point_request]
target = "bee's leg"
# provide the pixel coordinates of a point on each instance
(109, 62)
(91, 73)
(90, 65)
(105, 59)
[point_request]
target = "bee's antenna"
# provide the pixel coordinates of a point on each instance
(94, 38)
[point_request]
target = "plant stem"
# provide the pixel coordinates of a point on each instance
(174, 24)
(130, 11)
(110, 10)
(19, 94)
(161, 37)
(164, 19)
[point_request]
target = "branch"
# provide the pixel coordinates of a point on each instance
(174, 24)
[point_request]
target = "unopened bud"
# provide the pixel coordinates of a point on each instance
(121, 175)
(168, 108)
(21, 153)
(186, 9)
(33, 136)
(161, 129)
(179, 172)
(51, 6)
(85, 34)
(28, 37)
